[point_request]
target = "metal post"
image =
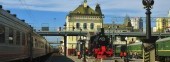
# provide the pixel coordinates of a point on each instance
(65, 45)
(109, 33)
(149, 47)
(148, 24)
(126, 49)
(80, 33)
(31, 45)
(72, 50)
(65, 41)
(84, 59)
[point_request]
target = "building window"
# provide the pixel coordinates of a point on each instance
(92, 26)
(77, 25)
(2, 34)
(85, 25)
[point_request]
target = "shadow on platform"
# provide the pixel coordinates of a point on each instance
(59, 58)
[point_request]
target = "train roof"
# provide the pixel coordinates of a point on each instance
(137, 43)
(163, 39)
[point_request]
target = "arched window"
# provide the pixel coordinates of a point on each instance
(92, 26)
(77, 25)
(85, 25)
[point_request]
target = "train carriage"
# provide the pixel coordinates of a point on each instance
(16, 39)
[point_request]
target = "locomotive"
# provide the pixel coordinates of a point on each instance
(100, 46)
(162, 51)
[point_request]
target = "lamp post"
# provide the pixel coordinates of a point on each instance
(126, 49)
(148, 4)
(149, 42)
(65, 41)
(84, 53)
(109, 32)
(80, 44)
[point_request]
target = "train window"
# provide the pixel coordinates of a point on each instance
(36, 44)
(28, 38)
(2, 34)
(11, 36)
(23, 39)
(17, 38)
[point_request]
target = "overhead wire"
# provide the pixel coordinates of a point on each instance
(28, 12)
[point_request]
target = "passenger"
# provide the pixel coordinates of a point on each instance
(124, 54)
(130, 54)
(121, 54)
(135, 55)
(78, 54)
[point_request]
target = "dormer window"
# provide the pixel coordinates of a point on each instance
(78, 12)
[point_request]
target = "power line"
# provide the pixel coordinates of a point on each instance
(28, 12)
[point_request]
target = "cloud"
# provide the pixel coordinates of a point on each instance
(109, 7)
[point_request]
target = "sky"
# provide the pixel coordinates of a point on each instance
(53, 13)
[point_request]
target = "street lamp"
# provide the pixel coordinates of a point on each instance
(149, 42)
(84, 44)
(109, 32)
(65, 41)
(126, 49)
(148, 4)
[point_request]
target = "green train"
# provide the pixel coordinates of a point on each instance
(135, 50)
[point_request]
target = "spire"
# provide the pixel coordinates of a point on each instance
(169, 13)
(85, 3)
(127, 21)
(97, 9)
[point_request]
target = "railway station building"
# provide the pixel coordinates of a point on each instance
(83, 18)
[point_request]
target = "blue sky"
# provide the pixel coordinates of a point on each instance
(53, 12)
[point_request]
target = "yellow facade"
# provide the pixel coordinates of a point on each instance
(83, 17)
(72, 40)
(161, 24)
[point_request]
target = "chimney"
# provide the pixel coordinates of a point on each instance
(0, 6)
(8, 11)
(14, 15)
(23, 20)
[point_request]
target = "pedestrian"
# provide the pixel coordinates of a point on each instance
(78, 54)
(121, 54)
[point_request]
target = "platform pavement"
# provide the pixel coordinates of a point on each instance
(61, 58)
